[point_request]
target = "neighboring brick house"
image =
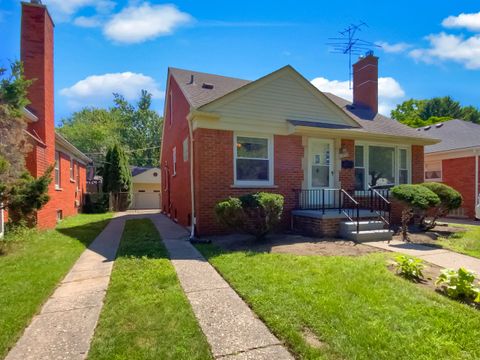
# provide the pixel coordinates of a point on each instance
(278, 134)
(48, 147)
(455, 161)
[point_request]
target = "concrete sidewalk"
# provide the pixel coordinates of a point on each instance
(232, 329)
(441, 257)
(64, 327)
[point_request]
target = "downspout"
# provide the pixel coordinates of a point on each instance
(476, 178)
(192, 185)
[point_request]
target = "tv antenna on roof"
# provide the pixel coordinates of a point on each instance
(350, 44)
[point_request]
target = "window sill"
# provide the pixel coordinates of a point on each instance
(72, 181)
(259, 186)
(57, 188)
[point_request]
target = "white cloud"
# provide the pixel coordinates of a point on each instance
(393, 48)
(468, 21)
(136, 24)
(389, 91)
(62, 10)
(448, 47)
(88, 22)
(97, 90)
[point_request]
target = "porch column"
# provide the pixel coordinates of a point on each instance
(347, 170)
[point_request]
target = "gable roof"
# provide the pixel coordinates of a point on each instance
(197, 95)
(455, 134)
(375, 123)
(137, 170)
(369, 122)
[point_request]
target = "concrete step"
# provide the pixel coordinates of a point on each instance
(369, 235)
(347, 226)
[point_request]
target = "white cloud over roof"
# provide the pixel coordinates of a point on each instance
(97, 90)
(389, 91)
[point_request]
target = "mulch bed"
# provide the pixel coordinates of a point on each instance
(294, 244)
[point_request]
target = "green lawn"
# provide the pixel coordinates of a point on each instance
(34, 265)
(465, 242)
(146, 314)
(356, 308)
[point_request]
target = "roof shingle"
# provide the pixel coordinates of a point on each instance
(455, 134)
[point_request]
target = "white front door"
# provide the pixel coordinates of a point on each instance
(320, 165)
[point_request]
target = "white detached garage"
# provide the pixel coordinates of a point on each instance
(146, 188)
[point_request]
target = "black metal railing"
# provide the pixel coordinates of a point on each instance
(329, 200)
(377, 201)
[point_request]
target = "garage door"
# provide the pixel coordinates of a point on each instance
(146, 200)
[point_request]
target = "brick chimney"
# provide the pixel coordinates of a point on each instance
(36, 53)
(365, 82)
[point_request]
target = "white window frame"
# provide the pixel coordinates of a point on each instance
(77, 179)
(364, 166)
(174, 158)
(366, 160)
(440, 179)
(270, 158)
(185, 150)
(72, 169)
(58, 174)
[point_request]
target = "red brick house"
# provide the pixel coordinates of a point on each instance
(455, 161)
(225, 137)
(48, 147)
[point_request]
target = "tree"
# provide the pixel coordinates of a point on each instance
(138, 128)
(441, 107)
(141, 129)
(414, 198)
(20, 193)
(450, 199)
(418, 113)
(92, 131)
(117, 177)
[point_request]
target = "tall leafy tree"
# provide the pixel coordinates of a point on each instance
(141, 129)
(137, 127)
(417, 113)
(20, 193)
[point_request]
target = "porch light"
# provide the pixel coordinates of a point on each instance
(343, 152)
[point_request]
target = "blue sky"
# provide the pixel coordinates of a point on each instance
(431, 48)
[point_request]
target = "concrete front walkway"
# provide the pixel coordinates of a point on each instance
(441, 257)
(64, 327)
(232, 329)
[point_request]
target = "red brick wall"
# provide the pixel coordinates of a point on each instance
(347, 176)
(317, 227)
(418, 168)
(178, 204)
(37, 57)
(365, 82)
(214, 174)
(460, 174)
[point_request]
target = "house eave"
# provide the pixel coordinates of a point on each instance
(62, 142)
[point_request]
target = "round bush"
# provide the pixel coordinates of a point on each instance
(416, 196)
(450, 198)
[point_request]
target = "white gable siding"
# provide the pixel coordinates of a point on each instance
(148, 177)
(276, 100)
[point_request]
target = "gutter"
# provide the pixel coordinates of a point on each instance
(192, 185)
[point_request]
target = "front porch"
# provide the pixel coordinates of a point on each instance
(358, 216)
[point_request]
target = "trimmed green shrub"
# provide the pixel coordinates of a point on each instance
(414, 197)
(230, 213)
(459, 284)
(255, 214)
(450, 199)
(409, 268)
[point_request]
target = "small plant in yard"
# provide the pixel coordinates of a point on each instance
(450, 199)
(459, 284)
(409, 268)
(255, 214)
(414, 198)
